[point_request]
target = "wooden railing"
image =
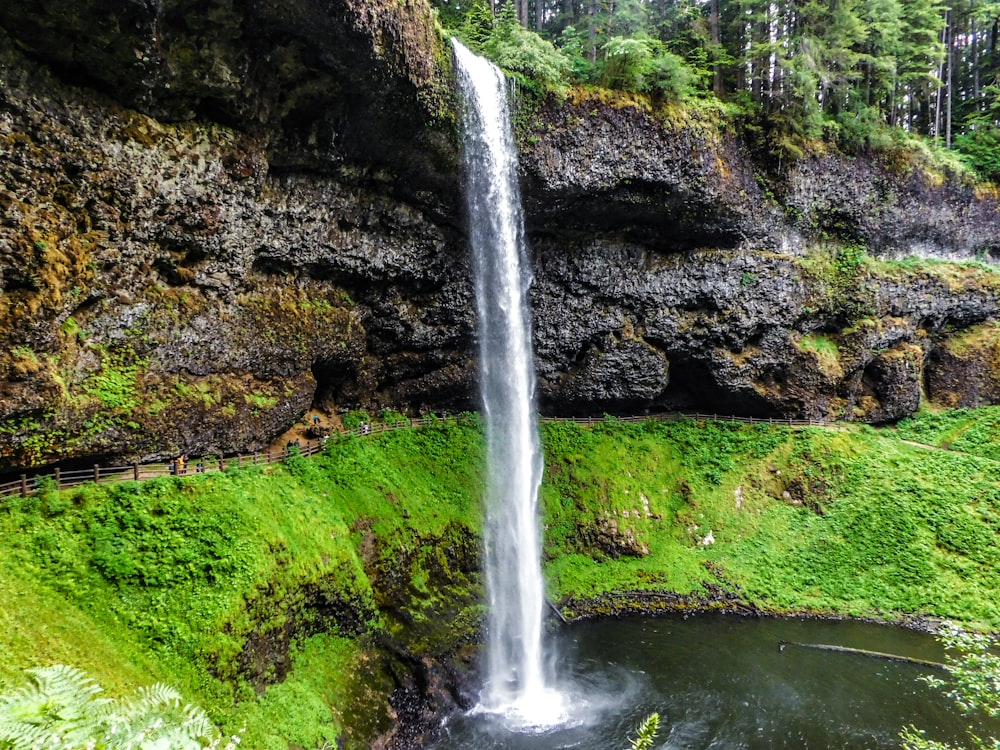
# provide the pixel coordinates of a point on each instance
(677, 416)
(27, 484)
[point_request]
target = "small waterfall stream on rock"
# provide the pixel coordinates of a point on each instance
(516, 684)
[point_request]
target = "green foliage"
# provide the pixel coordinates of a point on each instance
(840, 272)
(261, 401)
(972, 431)
(300, 709)
(518, 50)
(145, 539)
(377, 538)
(644, 64)
(799, 77)
(645, 734)
(392, 417)
(477, 27)
(846, 521)
(354, 419)
(981, 148)
(61, 708)
(189, 577)
(114, 386)
(826, 350)
(973, 685)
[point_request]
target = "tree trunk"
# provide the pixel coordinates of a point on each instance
(777, 35)
(741, 61)
(715, 29)
(572, 11)
(975, 64)
(758, 71)
(950, 54)
(940, 90)
(592, 32)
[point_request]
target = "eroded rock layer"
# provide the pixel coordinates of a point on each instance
(215, 217)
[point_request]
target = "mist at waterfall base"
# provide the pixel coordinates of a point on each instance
(517, 686)
(723, 683)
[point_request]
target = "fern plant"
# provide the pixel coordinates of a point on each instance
(61, 708)
(646, 733)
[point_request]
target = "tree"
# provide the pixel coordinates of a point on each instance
(477, 28)
(920, 54)
(514, 48)
(799, 71)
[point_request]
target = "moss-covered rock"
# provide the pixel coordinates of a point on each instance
(964, 370)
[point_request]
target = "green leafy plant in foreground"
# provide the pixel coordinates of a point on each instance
(974, 686)
(62, 708)
(646, 733)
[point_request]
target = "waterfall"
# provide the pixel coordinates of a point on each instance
(516, 684)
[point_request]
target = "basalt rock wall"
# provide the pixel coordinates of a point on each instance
(214, 217)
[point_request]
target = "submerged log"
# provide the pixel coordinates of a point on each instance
(863, 652)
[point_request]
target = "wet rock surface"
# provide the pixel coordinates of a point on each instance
(214, 219)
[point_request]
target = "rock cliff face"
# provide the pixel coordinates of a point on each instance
(215, 217)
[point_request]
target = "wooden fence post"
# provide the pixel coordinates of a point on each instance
(58, 477)
(24, 485)
(97, 473)
(222, 462)
(135, 470)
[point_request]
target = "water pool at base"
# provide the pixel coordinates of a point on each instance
(725, 683)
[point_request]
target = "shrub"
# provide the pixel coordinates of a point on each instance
(643, 64)
(516, 49)
(981, 149)
(974, 685)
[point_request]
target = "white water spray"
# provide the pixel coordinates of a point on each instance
(516, 684)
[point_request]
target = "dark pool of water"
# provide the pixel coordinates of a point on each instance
(723, 683)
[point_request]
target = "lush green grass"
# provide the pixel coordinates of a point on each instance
(826, 350)
(972, 431)
(847, 521)
(221, 583)
(263, 593)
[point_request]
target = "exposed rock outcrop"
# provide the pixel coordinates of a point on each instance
(213, 218)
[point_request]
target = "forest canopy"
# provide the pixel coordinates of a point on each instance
(863, 74)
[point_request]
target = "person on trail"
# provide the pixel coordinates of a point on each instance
(182, 464)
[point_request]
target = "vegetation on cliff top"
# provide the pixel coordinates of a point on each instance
(860, 75)
(268, 595)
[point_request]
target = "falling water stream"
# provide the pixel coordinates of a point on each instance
(719, 684)
(516, 684)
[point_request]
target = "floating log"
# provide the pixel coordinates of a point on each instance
(863, 652)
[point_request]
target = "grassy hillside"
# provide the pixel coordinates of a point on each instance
(849, 521)
(290, 598)
(265, 589)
